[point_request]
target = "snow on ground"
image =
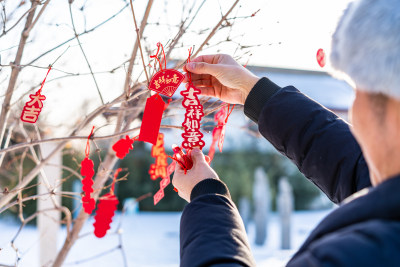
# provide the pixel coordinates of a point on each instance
(149, 239)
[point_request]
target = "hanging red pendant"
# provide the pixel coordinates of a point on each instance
(122, 146)
(33, 107)
(105, 212)
(87, 172)
(166, 81)
(192, 137)
(151, 119)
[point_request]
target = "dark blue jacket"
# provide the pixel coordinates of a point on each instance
(363, 231)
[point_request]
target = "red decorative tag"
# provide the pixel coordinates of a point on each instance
(87, 171)
(151, 119)
(105, 212)
(194, 113)
(166, 81)
(122, 146)
(33, 107)
(321, 57)
(159, 169)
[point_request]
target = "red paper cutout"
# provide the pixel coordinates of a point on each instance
(159, 169)
(105, 212)
(194, 113)
(166, 81)
(122, 146)
(151, 119)
(30, 112)
(87, 171)
(321, 57)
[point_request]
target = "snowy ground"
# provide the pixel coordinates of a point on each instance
(149, 239)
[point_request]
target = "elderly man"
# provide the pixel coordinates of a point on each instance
(355, 165)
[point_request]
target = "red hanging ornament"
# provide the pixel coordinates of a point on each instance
(321, 59)
(87, 171)
(159, 168)
(122, 146)
(106, 210)
(218, 134)
(151, 119)
(33, 107)
(192, 137)
(166, 81)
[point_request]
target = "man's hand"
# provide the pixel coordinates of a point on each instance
(199, 172)
(222, 77)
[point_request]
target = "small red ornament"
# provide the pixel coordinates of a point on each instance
(122, 146)
(33, 107)
(105, 212)
(321, 58)
(166, 81)
(87, 171)
(151, 119)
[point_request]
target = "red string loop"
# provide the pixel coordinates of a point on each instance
(115, 178)
(229, 112)
(188, 60)
(156, 56)
(87, 149)
(41, 86)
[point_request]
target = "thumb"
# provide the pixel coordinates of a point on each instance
(203, 68)
(197, 156)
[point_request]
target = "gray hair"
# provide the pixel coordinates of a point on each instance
(366, 46)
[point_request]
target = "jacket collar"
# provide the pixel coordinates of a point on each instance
(379, 202)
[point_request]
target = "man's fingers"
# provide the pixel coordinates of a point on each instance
(207, 91)
(203, 68)
(204, 83)
(197, 156)
(205, 58)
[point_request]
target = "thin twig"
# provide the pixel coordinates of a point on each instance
(84, 54)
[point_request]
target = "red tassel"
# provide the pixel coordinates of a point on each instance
(105, 212)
